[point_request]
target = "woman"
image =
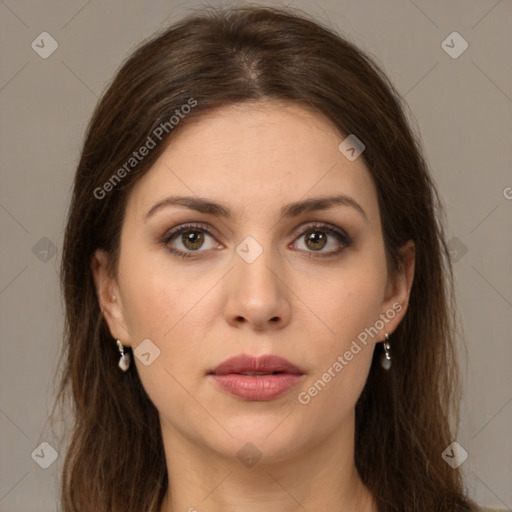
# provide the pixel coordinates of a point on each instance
(259, 300)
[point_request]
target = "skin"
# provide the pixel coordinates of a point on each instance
(199, 311)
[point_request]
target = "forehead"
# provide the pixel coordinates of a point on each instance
(255, 158)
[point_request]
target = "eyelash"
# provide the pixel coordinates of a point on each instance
(340, 235)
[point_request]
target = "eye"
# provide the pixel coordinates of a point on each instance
(187, 239)
(318, 236)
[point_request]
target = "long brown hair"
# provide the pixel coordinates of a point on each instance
(405, 417)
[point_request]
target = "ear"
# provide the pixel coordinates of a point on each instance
(398, 288)
(109, 297)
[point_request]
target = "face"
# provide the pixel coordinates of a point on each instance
(260, 275)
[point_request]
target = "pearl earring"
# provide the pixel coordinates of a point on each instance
(385, 358)
(124, 360)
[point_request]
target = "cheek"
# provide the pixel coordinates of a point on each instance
(343, 357)
(174, 309)
(349, 308)
(347, 302)
(157, 297)
(165, 308)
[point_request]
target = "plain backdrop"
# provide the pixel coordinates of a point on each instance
(461, 107)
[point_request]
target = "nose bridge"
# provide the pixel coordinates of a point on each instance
(253, 263)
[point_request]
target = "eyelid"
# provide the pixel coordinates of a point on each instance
(326, 226)
(189, 225)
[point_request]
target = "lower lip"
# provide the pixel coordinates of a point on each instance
(257, 387)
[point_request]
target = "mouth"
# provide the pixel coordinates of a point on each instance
(245, 364)
(256, 378)
(252, 374)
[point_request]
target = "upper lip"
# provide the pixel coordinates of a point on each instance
(266, 364)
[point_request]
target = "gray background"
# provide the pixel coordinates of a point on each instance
(460, 107)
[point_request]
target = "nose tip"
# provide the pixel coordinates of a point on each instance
(257, 298)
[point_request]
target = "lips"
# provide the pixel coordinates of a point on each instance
(256, 378)
(250, 365)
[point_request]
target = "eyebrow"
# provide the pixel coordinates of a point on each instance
(294, 209)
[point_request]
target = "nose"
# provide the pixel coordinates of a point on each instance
(258, 295)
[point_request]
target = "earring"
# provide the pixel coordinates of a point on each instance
(124, 361)
(385, 358)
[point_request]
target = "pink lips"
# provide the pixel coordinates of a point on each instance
(256, 378)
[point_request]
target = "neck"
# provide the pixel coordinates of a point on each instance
(316, 478)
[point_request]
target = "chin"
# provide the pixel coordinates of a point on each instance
(269, 440)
